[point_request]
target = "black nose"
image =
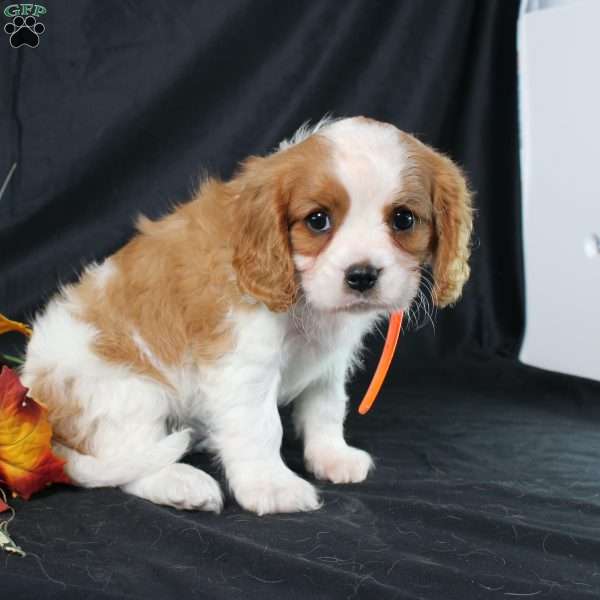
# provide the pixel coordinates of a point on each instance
(361, 277)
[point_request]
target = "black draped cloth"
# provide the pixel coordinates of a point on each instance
(488, 472)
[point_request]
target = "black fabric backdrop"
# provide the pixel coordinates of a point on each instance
(488, 478)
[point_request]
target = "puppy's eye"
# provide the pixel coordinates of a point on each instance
(318, 221)
(403, 219)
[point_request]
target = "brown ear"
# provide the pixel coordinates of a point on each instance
(453, 217)
(262, 254)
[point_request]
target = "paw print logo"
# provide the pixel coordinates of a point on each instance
(24, 32)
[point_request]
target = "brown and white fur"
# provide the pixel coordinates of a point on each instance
(209, 319)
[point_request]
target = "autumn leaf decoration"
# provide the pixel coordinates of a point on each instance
(3, 506)
(27, 463)
(7, 325)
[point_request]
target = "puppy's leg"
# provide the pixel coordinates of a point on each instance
(120, 431)
(246, 433)
(319, 414)
(140, 457)
(140, 435)
(181, 486)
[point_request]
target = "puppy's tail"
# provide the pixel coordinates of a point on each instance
(116, 470)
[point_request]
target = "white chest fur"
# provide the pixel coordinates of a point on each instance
(317, 346)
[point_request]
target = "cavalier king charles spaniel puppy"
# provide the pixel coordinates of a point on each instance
(254, 294)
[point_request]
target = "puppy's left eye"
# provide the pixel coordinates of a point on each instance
(318, 221)
(403, 219)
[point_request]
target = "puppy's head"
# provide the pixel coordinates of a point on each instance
(347, 215)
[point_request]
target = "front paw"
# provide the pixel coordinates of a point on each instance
(281, 491)
(338, 462)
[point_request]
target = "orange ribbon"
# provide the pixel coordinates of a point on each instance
(387, 354)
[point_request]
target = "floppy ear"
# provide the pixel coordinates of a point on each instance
(261, 246)
(453, 218)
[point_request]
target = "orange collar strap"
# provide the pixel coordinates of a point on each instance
(387, 354)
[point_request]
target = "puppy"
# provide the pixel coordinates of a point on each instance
(254, 294)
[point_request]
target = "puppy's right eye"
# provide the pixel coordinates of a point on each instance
(318, 221)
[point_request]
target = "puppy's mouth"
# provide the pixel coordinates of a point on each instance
(361, 305)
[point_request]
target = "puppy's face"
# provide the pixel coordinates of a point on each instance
(359, 207)
(360, 237)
